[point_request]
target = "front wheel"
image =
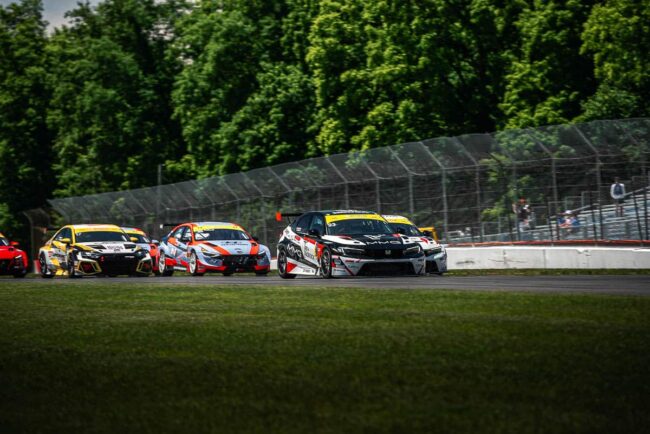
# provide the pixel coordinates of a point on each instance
(45, 271)
(282, 266)
(162, 268)
(194, 265)
(326, 264)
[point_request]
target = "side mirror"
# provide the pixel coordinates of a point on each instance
(14, 243)
(134, 239)
(256, 239)
(314, 233)
(65, 240)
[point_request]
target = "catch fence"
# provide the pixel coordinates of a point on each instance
(463, 186)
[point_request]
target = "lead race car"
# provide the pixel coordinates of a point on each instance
(86, 250)
(435, 253)
(345, 243)
(220, 247)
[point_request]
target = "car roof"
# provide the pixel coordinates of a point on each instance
(343, 211)
(98, 227)
(393, 218)
(130, 230)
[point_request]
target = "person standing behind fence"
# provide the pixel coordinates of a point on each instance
(522, 210)
(617, 191)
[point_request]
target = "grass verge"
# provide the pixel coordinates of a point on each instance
(195, 359)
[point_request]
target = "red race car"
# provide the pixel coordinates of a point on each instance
(13, 261)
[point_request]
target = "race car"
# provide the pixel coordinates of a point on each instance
(13, 261)
(87, 250)
(142, 240)
(345, 243)
(436, 254)
(220, 247)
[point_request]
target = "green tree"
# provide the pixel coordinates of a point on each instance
(111, 80)
(550, 77)
(617, 35)
(25, 173)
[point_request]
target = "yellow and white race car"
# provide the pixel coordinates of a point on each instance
(435, 253)
(86, 250)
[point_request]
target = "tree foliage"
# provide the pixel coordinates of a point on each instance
(209, 87)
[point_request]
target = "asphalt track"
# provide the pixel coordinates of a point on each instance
(590, 284)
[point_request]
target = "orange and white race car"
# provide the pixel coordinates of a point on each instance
(221, 247)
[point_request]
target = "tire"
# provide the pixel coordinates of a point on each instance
(45, 271)
(20, 275)
(282, 266)
(326, 264)
(228, 273)
(193, 265)
(162, 269)
(261, 273)
(72, 274)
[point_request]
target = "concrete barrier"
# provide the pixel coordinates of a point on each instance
(513, 257)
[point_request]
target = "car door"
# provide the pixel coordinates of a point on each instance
(173, 240)
(310, 242)
(301, 228)
(59, 248)
(183, 241)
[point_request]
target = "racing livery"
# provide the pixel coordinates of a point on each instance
(142, 240)
(220, 247)
(345, 243)
(13, 261)
(435, 253)
(85, 250)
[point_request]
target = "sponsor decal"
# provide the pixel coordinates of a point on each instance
(294, 251)
(398, 219)
(372, 243)
(221, 226)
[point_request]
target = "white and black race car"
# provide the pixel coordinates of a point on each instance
(435, 253)
(345, 243)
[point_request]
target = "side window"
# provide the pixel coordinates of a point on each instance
(178, 232)
(184, 234)
(302, 225)
(64, 233)
(318, 223)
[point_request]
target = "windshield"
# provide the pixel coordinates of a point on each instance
(220, 234)
(100, 236)
(405, 229)
(141, 238)
(4, 241)
(358, 227)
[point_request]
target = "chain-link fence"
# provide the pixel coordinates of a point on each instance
(464, 186)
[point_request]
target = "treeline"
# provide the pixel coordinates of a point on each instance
(216, 86)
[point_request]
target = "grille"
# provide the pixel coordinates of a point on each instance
(381, 253)
(387, 269)
(239, 260)
(432, 267)
(118, 263)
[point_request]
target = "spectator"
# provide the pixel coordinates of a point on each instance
(617, 191)
(523, 211)
(569, 223)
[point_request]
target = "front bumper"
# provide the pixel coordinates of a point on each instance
(114, 264)
(348, 266)
(233, 263)
(436, 262)
(11, 266)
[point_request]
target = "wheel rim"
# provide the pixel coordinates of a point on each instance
(282, 262)
(326, 263)
(192, 263)
(43, 264)
(70, 266)
(161, 263)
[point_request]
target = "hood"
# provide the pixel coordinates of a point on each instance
(235, 247)
(108, 247)
(368, 241)
(9, 252)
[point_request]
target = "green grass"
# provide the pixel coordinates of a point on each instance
(108, 358)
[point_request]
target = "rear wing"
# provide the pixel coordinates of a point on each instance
(288, 215)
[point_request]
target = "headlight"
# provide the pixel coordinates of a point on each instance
(142, 253)
(413, 250)
(433, 251)
(348, 251)
(18, 257)
(209, 253)
(89, 255)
